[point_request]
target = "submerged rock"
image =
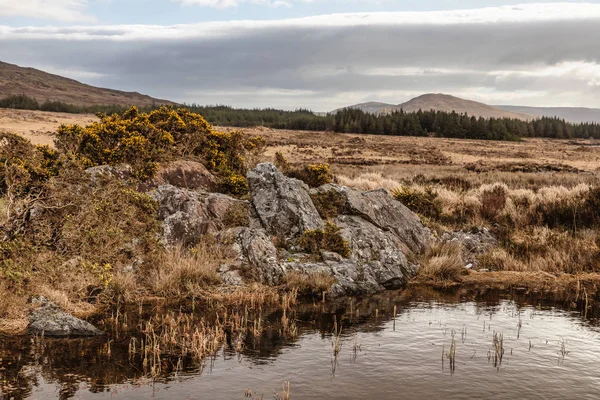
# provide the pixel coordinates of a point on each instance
(282, 204)
(49, 320)
(188, 214)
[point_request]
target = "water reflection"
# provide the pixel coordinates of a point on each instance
(416, 343)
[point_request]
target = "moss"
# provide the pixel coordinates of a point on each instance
(328, 239)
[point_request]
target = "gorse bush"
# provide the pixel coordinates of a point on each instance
(329, 203)
(314, 175)
(144, 139)
(24, 166)
(425, 203)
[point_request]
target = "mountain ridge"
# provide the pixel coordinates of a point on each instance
(17, 80)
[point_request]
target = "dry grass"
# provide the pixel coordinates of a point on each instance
(315, 283)
(184, 272)
(442, 262)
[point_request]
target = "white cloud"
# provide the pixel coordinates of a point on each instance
(535, 54)
(60, 10)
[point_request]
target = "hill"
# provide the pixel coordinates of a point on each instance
(570, 114)
(442, 102)
(16, 80)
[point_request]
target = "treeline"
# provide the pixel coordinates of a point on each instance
(399, 123)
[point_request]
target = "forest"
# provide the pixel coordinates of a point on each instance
(399, 123)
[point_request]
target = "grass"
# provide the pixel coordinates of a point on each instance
(443, 262)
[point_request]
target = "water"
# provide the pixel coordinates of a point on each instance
(551, 351)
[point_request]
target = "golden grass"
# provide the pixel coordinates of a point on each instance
(442, 262)
(314, 283)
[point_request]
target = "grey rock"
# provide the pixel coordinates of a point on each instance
(474, 243)
(184, 174)
(103, 172)
(256, 253)
(382, 210)
(188, 214)
(49, 320)
(282, 204)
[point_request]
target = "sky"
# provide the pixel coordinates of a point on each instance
(316, 54)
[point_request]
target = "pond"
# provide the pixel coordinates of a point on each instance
(461, 344)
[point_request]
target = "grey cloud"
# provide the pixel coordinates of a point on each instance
(326, 66)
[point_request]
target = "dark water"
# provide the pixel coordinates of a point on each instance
(551, 351)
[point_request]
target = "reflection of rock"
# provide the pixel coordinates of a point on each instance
(49, 320)
(474, 243)
(282, 204)
(187, 214)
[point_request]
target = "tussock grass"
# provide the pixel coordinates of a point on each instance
(443, 262)
(312, 284)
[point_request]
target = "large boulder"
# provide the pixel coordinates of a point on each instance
(188, 214)
(49, 320)
(282, 204)
(383, 235)
(185, 174)
(386, 213)
(257, 254)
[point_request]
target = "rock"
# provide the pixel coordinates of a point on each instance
(282, 204)
(49, 320)
(185, 174)
(187, 214)
(474, 243)
(256, 253)
(382, 210)
(103, 172)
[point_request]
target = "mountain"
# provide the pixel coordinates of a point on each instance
(570, 114)
(15, 80)
(442, 102)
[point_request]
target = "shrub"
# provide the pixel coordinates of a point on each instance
(424, 203)
(328, 239)
(236, 215)
(493, 201)
(144, 139)
(314, 175)
(24, 166)
(329, 204)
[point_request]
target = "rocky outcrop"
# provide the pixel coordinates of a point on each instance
(104, 172)
(379, 230)
(384, 212)
(185, 174)
(49, 320)
(186, 215)
(257, 254)
(282, 204)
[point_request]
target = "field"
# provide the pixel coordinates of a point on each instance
(538, 196)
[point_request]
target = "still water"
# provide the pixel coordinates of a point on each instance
(458, 345)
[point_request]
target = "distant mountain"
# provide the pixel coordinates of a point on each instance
(442, 102)
(570, 114)
(15, 80)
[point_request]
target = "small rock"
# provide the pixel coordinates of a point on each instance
(49, 320)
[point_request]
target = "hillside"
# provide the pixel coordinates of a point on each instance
(570, 114)
(15, 80)
(442, 102)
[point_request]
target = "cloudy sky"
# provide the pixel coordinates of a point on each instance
(319, 54)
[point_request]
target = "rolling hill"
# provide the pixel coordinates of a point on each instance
(442, 102)
(16, 80)
(570, 114)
